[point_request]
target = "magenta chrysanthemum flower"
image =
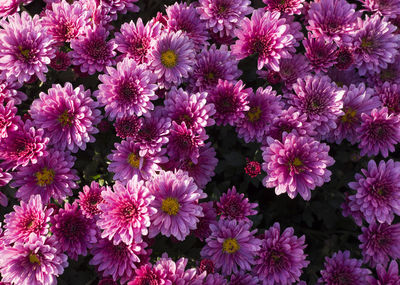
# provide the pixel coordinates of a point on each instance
(290, 121)
(389, 8)
(231, 245)
(281, 257)
(67, 115)
(206, 265)
(92, 52)
(264, 106)
(118, 261)
(223, 16)
(35, 262)
(266, 34)
(176, 200)
(90, 198)
(128, 126)
(183, 17)
(65, 22)
(379, 132)
(191, 108)
(126, 161)
(9, 7)
(126, 212)
(243, 278)
(389, 95)
(25, 49)
(172, 58)
(344, 58)
(379, 242)
(9, 90)
(341, 269)
(332, 19)
(51, 177)
(296, 165)
(389, 277)
(73, 232)
(23, 146)
(148, 274)
(184, 143)
(320, 54)
(211, 65)
(377, 191)
(133, 41)
(230, 100)
(5, 177)
(8, 120)
(320, 99)
(31, 217)
(356, 101)
(233, 206)
(127, 90)
(288, 7)
(203, 230)
(61, 61)
(375, 44)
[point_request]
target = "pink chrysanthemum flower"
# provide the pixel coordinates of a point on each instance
(9, 90)
(389, 277)
(230, 100)
(172, 59)
(133, 40)
(35, 262)
(127, 126)
(264, 106)
(183, 17)
(266, 34)
(356, 100)
(61, 61)
(67, 115)
(211, 65)
(191, 108)
(184, 143)
(296, 165)
(92, 52)
(8, 120)
(374, 43)
(290, 121)
(320, 54)
(51, 177)
(148, 274)
(126, 161)
(389, 8)
(243, 278)
(389, 95)
(73, 232)
(127, 90)
(288, 7)
(377, 191)
(90, 198)
(320, 99)
(23, 146)
(231, 245)
(203, 230)
(31, 217)
(25, 50)
(118, 261)
(379, 242)
(65, 21)
(126, 212)
(223, 16)
(281, 257)
(379, 132)
(332, 19)
(176, 200)
(343, 269)
(233, 206)
(9, 7)
(5, 177)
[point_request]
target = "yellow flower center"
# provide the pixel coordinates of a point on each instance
(254, 114)
(170, 206)
(230, 245)
(44, 177)
(366, 43)
(134, 160)
(169, 58)
(297, 162)
(65, 119)
(348, 117)
(24, 52)
(210, 75)
(33, 258)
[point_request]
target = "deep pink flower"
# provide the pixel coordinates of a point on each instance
(148, 274)
(252, 168)
(320, 54)
(90, 198)
(61, 61)
(289, 7)
(128, 126)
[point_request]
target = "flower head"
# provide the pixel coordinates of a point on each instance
(90, 198)
(321, 54)
(288, 7)
(127, 126)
